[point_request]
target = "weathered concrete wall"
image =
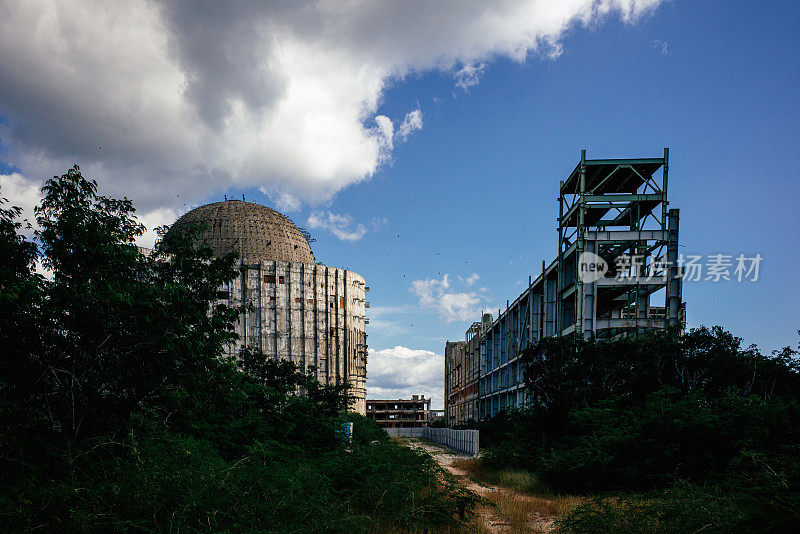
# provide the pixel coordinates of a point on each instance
(310, 314)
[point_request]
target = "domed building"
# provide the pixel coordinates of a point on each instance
(310, 314)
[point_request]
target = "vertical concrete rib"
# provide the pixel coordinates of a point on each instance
(674, 281)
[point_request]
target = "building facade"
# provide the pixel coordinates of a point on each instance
(617, 253)
(295, 309)
(400, 413)
(453, 380)
(462, 371)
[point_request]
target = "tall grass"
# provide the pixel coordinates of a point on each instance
(522, 500)
(516, 479)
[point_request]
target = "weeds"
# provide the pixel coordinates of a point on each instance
(523, 502)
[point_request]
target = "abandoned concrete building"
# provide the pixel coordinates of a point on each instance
(462, 375)
(613, 216)
(400, 413)
(299, 310)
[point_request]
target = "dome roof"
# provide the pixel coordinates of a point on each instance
(256, 231)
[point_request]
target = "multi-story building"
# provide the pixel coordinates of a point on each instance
(400, 413)
(462, 365)
(617, 252)
(453, 380)
(295, 309)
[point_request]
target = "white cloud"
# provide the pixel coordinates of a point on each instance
(411, 122)
(451, 305)
(469, 75)
(469, 280)
(494, 312)
(156, 99)
(384, 133)
(22, 193)
(342, 226)
(152, 220)
(379, 222)
(284, 201)
(663, 46)
(400, 372)
(26, 194)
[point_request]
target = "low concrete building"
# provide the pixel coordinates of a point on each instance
(400, 413)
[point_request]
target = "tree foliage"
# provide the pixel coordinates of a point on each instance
(119, 410)
(690, 419)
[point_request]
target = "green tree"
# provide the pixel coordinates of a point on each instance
(121, 411)
(20, 310)
(119, 327)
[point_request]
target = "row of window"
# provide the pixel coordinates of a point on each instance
(395, 407)
(223, 295)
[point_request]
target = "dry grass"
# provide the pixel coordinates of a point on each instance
(513, 500)
(473, 466)
(520, 480)
(527, 513)
(516, 479)
(517, 512)
(519, 497)
(557, 506)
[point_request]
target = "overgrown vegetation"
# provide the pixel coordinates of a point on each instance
(120, 412)
(674, 432)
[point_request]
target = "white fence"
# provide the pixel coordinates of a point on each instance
(466, 441)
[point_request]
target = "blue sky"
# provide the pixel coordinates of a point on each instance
(472, 189)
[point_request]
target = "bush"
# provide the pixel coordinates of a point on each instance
(769, 504)
(705, 432)
(119, 410)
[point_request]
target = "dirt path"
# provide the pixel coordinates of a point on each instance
(508, 511)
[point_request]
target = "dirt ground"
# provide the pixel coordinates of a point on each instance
(506, 510)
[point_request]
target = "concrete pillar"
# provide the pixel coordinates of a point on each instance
(674, 281)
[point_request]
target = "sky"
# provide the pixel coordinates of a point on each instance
(422, 143)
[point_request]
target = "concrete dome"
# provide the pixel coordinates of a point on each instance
(256, 231)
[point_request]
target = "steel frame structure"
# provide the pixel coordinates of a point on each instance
(612, 208)
(618, 210)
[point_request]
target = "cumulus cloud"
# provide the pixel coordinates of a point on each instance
(451, 304)
(341, 226)
(26, 194)
(400, 372)
(158, 98)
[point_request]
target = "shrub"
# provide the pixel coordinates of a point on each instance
(120, 412)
